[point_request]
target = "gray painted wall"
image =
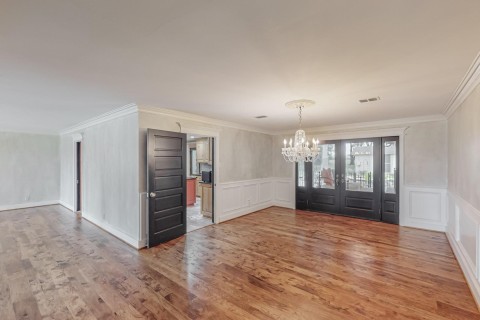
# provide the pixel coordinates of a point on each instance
(280, 167)
(110, 173)
(66, 170)
(244, 155)
(426, 154)
(464, 150)
(29, 168)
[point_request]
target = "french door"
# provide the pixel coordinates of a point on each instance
(357, 177)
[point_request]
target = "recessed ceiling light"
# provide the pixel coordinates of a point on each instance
(192, 137)
(260, 117)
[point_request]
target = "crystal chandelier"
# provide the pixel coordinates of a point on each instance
(300, 149)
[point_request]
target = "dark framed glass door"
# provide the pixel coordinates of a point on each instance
(360, 178)
(324, 179)
(355, 177)
(390, 186)
(302, 193)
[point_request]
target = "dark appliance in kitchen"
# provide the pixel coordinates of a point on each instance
(207, 176)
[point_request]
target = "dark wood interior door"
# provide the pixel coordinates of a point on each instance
(78, 176)
(166, 185)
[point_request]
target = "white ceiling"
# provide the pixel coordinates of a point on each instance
(62, 62)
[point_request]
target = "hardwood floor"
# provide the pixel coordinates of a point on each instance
(272, 264)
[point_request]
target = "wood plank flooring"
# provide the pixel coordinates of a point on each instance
(272, 264)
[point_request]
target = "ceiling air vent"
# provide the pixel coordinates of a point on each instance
(369, 100)
(260, 117)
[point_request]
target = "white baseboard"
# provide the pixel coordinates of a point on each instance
(137, 244)
(28, 205)
(66, 205)
(244, 211)
(467, 270)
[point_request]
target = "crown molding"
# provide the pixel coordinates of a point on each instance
(469, 82)
(114, 114)
(198, 118)
(352, 127)
(361, 126)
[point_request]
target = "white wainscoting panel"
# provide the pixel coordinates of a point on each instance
(265, 191)
(424, 208)
(284, 189)
(239, 198)
(251, 193)
(463, 233)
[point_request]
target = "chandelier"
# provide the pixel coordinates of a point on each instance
(300, 149)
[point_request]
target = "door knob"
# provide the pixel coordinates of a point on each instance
(153, 194)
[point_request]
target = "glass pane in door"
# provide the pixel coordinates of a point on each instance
(324, 168)
(359, 166)
(301, 174)
(390, 166)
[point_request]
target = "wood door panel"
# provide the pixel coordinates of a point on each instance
(164, 143)
(389, 206)
(359, 203)
(173, 201)
(168, 163)
(168, 182)
(323, 199)
(301, 199)
(167, 212)
(167, 222)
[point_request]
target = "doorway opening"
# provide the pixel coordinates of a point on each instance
(200, 181)
(78, 176)
(354, 177)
